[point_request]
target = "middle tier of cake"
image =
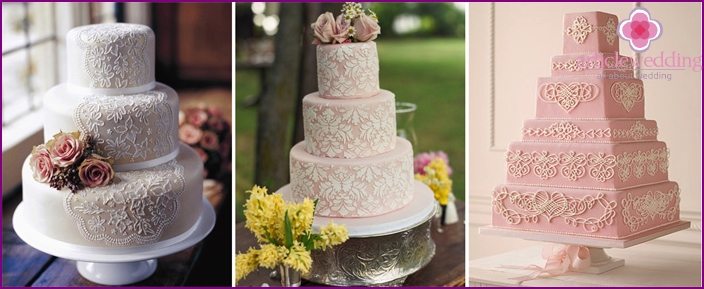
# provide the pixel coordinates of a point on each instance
(360, 187)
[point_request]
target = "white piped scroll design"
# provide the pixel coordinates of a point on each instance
(627, 94)
(346, 71)
(129, 128)
(529, 207)
(580, 29)
(568, 96)
(638, 211)
(135, 209)
(567, 131)
(638, 163)
(114, 55)
(637, 132)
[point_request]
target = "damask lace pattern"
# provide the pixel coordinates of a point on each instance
(530, 207)
(354, 191)
(350, 132)
(114, 55)
(600, 167)
(580, 29)
(134, 210)
(129, 128)
(348, 71)
(568, 95)
(638, 211)
(627, 94)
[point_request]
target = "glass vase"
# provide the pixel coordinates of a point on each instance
(404, 122)
(289, 277)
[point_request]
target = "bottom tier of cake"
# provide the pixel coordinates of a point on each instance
(140, 207)
(592, 213)
(382, 250)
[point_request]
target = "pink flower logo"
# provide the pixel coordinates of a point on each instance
(639, 30)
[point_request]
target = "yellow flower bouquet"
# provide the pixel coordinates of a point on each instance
(438, 179)
(284, 232)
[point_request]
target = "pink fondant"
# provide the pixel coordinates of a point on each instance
(592, 213)
(589, 97)
(589, 131)
(360, 187)
(348, 70)
(583, 165)
(597, 34)
(592, 64)
(349, 128)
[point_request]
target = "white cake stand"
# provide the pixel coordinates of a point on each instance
(600, 261)
(114, 266)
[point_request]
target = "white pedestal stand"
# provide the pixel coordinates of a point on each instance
(114, 266)
(601, 262)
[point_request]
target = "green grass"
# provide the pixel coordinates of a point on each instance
(427, 72)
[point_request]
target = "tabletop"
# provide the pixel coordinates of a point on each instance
(447, 268)
(23, 265)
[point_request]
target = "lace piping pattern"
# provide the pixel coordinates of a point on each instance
(576, 64)
(567, 131)
(529, 207)
(580, 29)
(135, 209)
(568, 96)
(346, 71)
(638, 211)
(627, 94)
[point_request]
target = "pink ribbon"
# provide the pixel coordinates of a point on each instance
(560, 261)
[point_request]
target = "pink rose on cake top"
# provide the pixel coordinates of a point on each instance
(589, 164)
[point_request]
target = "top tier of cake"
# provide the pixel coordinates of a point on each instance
(110, 59)
(349, 70)
(590, 32)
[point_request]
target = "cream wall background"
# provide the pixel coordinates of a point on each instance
(526, 36)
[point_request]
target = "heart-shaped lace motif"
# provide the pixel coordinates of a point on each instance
(627, 94)
(568, 96)
(548, 205)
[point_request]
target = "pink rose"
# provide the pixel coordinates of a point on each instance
(216, 123)
(202, 154)
(41, 164)
(366, 28)
(65, 148)
(189, 134)
(210, 141)
(198, 118)
(324, 28)
(214, 111)
(343, 28)
(95, 171)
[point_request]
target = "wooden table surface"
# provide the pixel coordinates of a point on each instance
(23, 265)
(447, 268)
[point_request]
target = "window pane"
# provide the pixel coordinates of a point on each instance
(41, 18)
(12, 26)
(15, 79)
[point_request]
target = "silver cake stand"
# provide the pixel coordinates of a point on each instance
(600, 261)
(109, 265)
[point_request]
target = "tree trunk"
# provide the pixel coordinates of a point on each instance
(278, 101)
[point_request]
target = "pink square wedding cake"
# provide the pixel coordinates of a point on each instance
(589, 164)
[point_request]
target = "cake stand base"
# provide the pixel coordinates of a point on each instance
(600, 261)
(114, 265)
(116, 273)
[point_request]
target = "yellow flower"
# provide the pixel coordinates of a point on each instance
(245, 264)
(437, 179)
(262, 213)
(298, 258)
(301, 215)
(331, 235)
(271, 255)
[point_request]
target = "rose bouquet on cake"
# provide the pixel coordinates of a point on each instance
(353, 25)
(71, 160)
(284, 231)
(209, 134)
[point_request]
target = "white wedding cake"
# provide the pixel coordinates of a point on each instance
(112, 98)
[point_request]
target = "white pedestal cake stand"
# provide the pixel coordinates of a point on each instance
(600, 261)
(109, 265)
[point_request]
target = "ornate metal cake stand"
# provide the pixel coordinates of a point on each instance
(600, 261)
(109, 265)
(381, 250)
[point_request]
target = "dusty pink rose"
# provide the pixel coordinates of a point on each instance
(216, 123)
(202, 154)
(324, 29)
(95, 171)
(342, 29)
(41, 164)
(197, 118)
(366, 28)
(423, 159)
(65, 148)
(210, 141)
(214, 111)
(189, 134)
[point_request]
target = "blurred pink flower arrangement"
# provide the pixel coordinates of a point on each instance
(205, 130)
(423, 159)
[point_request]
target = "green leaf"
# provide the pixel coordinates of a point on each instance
(288, 231)
(268, 236)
